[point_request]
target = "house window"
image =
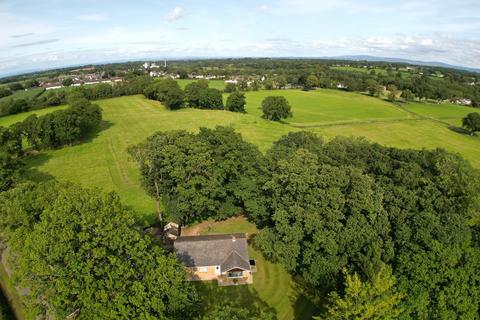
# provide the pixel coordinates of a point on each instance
(235, 274)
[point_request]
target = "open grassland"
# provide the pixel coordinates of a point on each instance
(450, 113)
(323, 106)
(9, 120)
(272, 288)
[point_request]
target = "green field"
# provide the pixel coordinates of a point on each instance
(445, 112)
(319, 107)
(272, 286)
(9, 120)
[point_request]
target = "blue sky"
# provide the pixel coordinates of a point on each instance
(52, 33)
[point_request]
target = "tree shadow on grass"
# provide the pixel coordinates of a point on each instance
(213, 296)
(95, 132)
(31, 172)
(459, 130)
(307, 301)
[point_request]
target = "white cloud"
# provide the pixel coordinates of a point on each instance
(175, 14)
(264, 8)
(92, 17)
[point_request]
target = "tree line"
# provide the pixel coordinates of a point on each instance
(52, 130)
(384, 231)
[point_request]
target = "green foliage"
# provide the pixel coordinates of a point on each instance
(312, 81)
(212, 174)
(358, 205)
(472, 122)
(79, 251)
(276, 108)
(67, 82)
(408, 95)
(229, 87)
(210, 99)
(236, 102)
(62, 127)
(11, 163)
(15, 86)
(5, 92)
(32, 83)
(192, 93)
(167, 91)
(375, 299)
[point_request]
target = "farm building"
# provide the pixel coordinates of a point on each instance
(221, 257)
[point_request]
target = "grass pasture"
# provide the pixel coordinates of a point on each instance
(320, 107)
(9, 120)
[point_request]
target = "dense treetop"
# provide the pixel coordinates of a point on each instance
(79, 251)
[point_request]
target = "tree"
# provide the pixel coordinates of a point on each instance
(375, 299)
(472, 122)
(408, 95)
(230, 87)
(79, 251)
(15, 86)
(268, 84)
(194, 177)
(192, 92)
(311, 82)
(280, 82)
(211, 99)
(236, 102)
(372, 87)
(166, 91)
(32, 83)
(276, 108)
(392, 92)
(67, 82)
(4, 92)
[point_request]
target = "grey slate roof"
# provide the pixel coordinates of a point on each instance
(226, 250)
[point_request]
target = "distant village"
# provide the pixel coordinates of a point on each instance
(90, 75)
